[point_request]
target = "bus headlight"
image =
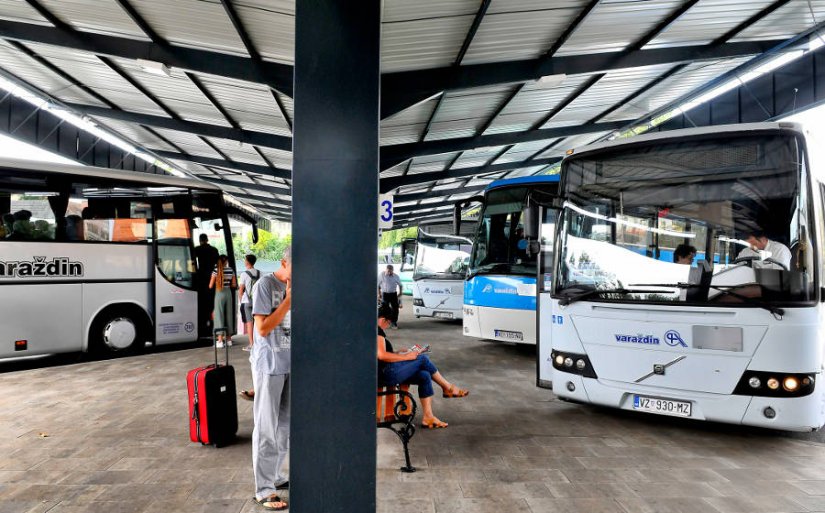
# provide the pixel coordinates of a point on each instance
(573, 363)
(418, 302)
(777, 384)
(790, 384)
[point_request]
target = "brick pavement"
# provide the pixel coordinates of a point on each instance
(111, 436)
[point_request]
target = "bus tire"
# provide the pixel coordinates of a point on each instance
(120, 329)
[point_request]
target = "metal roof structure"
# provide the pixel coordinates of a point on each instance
(472, 90)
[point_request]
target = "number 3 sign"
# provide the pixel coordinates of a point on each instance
(385, 213)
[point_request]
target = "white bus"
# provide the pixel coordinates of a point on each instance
(103, 260)
(441, 261)
(733, 336)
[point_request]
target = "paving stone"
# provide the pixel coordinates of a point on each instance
(755, 504)
(575, 506)
(121, 445)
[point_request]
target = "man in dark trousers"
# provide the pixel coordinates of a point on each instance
(207, 257)
(389, 290)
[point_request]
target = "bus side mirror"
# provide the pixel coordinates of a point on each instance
(218, 227)
(530, 218)
(457, 219)
(254, 233)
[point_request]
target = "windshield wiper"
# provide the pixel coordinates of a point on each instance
(489, 269)
(777, 312)
(572, 298)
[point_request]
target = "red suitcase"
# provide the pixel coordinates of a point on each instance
(213, 407)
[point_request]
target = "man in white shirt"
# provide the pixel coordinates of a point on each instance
(763, 248)
(389, 292)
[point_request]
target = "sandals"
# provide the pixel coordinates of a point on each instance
(455, 391)
(249, 395)
(272, 503)
(433, 424)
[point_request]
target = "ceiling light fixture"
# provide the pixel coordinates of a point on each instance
(154, 67)
(549, 81)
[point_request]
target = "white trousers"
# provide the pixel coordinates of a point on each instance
(270, 438)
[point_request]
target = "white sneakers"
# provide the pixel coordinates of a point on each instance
(219, 344)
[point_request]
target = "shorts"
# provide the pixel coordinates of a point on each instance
(246, 312)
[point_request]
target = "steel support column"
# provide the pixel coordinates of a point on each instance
(335, 197)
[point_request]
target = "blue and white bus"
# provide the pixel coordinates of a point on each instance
(733, 335)
(500, 288)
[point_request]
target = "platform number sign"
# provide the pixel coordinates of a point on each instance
(385, 212)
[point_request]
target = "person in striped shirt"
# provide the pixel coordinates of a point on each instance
(223, 281)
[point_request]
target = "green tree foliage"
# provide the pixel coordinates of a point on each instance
(390, 238)
(270, 246)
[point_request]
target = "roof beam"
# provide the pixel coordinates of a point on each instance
(426, 207)
(277, 76)
(238, 166)
(251, 137)
(235, 18)
(405, 88)
(397, 153)
(274, 188)
(388, 184)
(401, 198)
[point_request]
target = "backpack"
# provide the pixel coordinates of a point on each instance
(254, 279)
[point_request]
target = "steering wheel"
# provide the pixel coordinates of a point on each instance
(748, 260)
(777, 262)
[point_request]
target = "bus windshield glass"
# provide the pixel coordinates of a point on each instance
(500, 246)
(441, 257)
(721, 220)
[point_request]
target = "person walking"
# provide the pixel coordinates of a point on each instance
(249, 277)
(389, 291)
(223, 281)
(270, 362)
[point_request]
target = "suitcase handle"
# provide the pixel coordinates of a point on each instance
(225, 343)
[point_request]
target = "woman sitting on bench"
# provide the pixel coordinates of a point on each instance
(414, 368)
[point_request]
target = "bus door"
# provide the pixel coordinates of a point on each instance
(176, 296)
(545, 315)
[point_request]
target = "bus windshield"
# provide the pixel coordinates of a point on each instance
(441, 257)
(500, 245)
(702, 220)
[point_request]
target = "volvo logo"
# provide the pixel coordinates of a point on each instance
(673, 338)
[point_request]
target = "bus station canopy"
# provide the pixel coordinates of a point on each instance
(472, 90)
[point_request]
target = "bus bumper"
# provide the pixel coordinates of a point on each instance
(500, 324)
(791, 414)
(439, 313)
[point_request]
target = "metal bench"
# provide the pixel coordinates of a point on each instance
(395, 410)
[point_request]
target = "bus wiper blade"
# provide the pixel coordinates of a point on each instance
(572, 298)
(777, 312)
(489, 269)
(566, 300)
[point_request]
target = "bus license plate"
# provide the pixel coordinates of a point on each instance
(661, 406)
(444, 315)
(509, 335)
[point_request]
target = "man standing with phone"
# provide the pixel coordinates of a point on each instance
(270, 359)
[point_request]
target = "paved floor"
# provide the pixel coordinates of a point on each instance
(111, 436)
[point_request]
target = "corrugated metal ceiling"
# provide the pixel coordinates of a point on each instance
(421, 35)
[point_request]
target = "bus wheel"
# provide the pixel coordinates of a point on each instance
(117, 331)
